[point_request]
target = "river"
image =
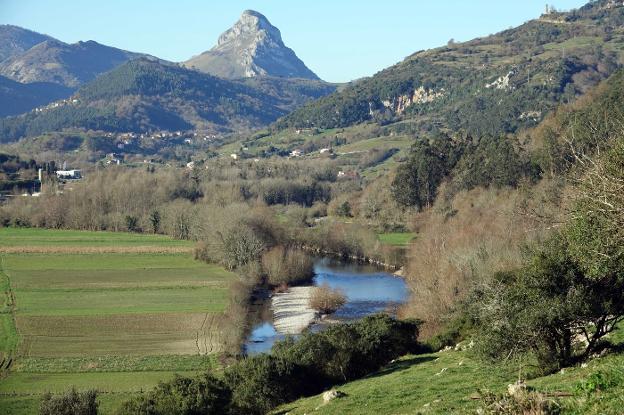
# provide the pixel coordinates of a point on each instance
(368, 290)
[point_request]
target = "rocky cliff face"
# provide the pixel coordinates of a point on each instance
(421, 95)
(252, 47)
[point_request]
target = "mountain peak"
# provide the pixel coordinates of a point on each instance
(253, 13)
(251, 47)
(257, 21)
(251, 28)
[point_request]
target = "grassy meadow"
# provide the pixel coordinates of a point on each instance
(451, 382)
(397, 238)
(113, 311)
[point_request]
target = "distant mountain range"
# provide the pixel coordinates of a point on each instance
(487, 86)
(252, 47)
(261, 80)
(15, 40)
(145, 95)
(37, 69)
(64, 64)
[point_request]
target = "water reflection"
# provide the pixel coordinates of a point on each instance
(368, 290)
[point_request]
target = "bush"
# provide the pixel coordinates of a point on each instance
(348, 351)
(521, 403)
(69, 403)
(326, 300)
(205, 395)
(285, 266)
(262, 382)
(344, 209)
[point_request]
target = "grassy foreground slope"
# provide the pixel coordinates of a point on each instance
(450, 382)
(112, 311)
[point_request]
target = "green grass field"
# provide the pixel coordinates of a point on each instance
(396, 238)
(39, 237)
(113, 311)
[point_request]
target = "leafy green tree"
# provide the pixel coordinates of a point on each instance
(155, 219)
(132, 223)
(417, 180)
(490, 161)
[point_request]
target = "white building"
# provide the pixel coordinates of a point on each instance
(69, 174)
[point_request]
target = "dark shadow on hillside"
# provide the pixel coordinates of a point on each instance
(401, 365)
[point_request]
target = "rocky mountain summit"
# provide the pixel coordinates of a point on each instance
(252, 47)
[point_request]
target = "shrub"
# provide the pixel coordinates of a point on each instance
(287, 266)
(347, 351)
(182, 396)
(522, 403)
(262, 382)
(460, 243)
(344, 209)
(69, 403)
(327, 300)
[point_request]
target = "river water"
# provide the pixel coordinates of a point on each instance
(368, 289)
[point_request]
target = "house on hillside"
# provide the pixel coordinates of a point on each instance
(69, 174)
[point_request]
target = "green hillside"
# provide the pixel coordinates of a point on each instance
(17, 98)
(453, 382)
(490, 85)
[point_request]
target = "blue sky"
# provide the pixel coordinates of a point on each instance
(340, 40)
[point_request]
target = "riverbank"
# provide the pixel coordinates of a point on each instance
(360, 259)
